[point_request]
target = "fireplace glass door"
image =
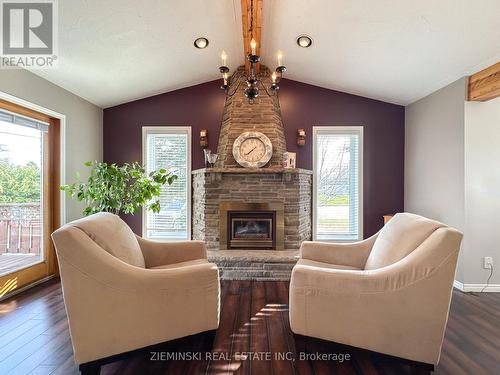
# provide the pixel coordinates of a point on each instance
(251, 230)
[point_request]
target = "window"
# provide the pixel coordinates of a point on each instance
(170, 148)
(338, 171)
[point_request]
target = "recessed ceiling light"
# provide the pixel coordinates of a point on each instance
(201, 43)
(304, 41)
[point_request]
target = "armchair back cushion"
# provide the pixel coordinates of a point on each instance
(398, 238)
(113, 235)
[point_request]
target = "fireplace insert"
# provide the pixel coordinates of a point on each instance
(251, 226)
(251, 229)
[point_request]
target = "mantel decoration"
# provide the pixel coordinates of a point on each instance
(252, 81)
(119, 189)
(210, 158)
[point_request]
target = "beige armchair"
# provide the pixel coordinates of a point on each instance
(390, 293)
(123, 292)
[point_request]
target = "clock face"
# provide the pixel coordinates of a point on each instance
(252, 150)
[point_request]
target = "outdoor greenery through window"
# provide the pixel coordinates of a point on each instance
(337, 183)
(21, 161)
(169, 148)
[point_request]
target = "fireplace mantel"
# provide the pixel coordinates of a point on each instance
(237, 170)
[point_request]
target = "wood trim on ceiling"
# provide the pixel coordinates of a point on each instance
(485, 85)
(246, 16)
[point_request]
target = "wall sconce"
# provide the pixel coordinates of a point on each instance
(301, 137)
(203, 138)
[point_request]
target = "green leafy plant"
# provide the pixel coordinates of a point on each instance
(19, 183)
(119, 189)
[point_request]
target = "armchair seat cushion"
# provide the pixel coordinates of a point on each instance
(313, 263)
(180, 264)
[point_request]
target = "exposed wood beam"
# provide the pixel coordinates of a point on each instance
(246, 14)
(485, 85)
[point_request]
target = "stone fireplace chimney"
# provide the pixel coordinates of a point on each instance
(239, 116)
(240, 210)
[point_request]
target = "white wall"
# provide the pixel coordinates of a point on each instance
(83, 121)
(482, 190)
(434, 157)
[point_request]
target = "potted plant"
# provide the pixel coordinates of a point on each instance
(119, 189)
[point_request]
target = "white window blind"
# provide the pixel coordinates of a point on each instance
(13, 118)
(337, 165)
(169, 148)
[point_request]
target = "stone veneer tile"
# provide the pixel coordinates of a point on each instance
(239, 116)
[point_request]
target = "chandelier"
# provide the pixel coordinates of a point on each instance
(252, 80)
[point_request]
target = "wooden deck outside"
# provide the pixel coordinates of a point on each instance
(12, 262)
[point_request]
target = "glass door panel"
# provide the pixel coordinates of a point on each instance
(21, 203)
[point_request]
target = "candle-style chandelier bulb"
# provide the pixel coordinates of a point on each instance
(253, 46)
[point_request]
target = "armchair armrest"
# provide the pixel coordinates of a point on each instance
(352, 254)
(163, 253)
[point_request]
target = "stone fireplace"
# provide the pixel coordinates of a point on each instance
(214, 190)
(252, 213)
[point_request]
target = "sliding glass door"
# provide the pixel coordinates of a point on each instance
(21, 203)
(28, 196)
(338, 171)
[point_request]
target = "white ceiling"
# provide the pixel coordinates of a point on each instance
(115, 51)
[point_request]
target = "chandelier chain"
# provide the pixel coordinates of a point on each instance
(232, 85)
(251, 19)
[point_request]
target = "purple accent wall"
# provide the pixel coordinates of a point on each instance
(302, 106)
(305, 106)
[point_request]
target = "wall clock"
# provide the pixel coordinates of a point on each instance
(252, 150)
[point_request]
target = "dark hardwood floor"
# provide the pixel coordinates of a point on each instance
(34, 339)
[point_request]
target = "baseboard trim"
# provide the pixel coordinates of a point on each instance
(26, 287)
(492, 288)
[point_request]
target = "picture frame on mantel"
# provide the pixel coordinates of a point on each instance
(289, 160)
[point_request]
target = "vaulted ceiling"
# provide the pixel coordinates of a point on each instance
(114, 51)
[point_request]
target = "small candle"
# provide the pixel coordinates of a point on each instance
(273, 77)
(280, 57)
(253, 46)
(223, 56)
(225, 79)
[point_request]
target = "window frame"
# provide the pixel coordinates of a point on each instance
(165, 129)
(359, 131)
